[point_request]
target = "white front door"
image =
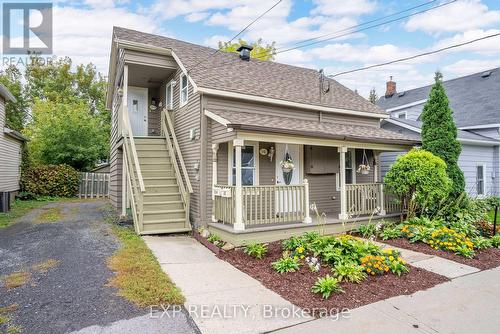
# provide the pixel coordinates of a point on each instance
(137, 101)
(284, 198)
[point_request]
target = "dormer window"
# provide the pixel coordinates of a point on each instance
(183, 96)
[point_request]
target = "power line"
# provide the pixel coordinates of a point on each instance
(414, 56)
(363, 24)
(370, 27)
(339, 36)
(240, 32)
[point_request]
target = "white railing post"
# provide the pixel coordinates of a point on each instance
(307, 215)
(238, 223)
(343, 193)
(124, 182)
(215, 148)
(381, 200)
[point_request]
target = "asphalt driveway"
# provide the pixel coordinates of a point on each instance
(65, 265)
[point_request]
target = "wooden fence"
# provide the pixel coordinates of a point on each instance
(94, 185)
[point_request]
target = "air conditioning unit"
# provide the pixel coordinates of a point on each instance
(4, 201)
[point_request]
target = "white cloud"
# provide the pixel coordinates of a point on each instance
(174, 8)
(85, 34)
(213, 41)
(196, 17)
(343, 7)
(469, 66)
(489, 46)
(458, 16)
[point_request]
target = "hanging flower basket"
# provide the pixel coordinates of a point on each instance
(364, 167)
(287, 168)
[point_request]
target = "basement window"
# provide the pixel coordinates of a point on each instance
(183, 90)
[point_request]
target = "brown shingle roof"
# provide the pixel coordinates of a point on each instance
(225, 71)
(289, 125)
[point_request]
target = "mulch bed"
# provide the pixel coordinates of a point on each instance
(484, 259)
(296, 286)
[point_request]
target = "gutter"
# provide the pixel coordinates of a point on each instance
(14, 134)
(408, 142)
(7, 95)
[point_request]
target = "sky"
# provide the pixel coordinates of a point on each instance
(82, 31)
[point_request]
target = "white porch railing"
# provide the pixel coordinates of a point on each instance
(263, 204)
(369, 198)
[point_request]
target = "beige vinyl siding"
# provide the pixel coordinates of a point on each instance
(323, 192)
(267, 168)
(185, 118)
(154, 115)
(222, 164)
(219, 133)
(10, 156)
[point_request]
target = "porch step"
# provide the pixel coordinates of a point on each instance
(159, 180)
(156, 166)
(163, 214)
(164, 160)
(165, 188)
(141, 153)
(157, 173)
(149, 140)
(165, 205)
(161, 197)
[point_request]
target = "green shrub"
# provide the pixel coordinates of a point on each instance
(214, 238)
(418, 178)
(367, 230)
(482, 242)
(256, 250)
(450, 240)
(390, 232)
(349, 272)
(495, 241)
(50, 180)
(286, 264)
(326, 286)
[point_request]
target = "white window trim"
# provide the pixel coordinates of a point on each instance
(169, 104)
(353, 166)
(183, 103)
(484, 181)
(230, 162)
(401, 113)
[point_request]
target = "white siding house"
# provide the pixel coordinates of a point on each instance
(475, 102)
(10, 155)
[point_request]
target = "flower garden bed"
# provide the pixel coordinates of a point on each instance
(483, 258)
(296, 286)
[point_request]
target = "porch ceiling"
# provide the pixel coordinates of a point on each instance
(294, 126)
(147, 76)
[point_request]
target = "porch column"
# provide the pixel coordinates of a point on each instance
(377, 177)
(307, 214)
(238, 205)
(215, 149)
(343, 193)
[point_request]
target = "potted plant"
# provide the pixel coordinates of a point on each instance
(287, 167)
(364, 169)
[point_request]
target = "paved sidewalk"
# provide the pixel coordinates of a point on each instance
(435, 264)
(467, 304)
(211, 285)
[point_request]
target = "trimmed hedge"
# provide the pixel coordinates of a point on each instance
(51, 180)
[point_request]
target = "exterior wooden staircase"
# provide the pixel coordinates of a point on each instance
(158, 185)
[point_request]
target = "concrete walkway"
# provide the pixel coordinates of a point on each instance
(432, 263)
(467, 304)
(219, 297)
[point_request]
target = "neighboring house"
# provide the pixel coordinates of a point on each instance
(10, 155)
(229, 123)
(475, 101)
(102, 168)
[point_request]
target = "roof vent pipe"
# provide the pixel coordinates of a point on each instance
(244, 51)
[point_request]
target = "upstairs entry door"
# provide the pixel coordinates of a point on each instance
(137, 101)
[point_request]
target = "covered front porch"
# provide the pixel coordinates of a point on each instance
(334, 188)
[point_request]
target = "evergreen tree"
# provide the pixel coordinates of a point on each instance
(439, 133)
(373, 96)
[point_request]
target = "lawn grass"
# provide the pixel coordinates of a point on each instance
(50, 215)
(491, 216)
(138, 275)
(18, 209)
(15, 280)
(4, 313)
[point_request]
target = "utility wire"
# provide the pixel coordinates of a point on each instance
(361, 24)
(339, 36)
(239, 33)
(415, 56)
